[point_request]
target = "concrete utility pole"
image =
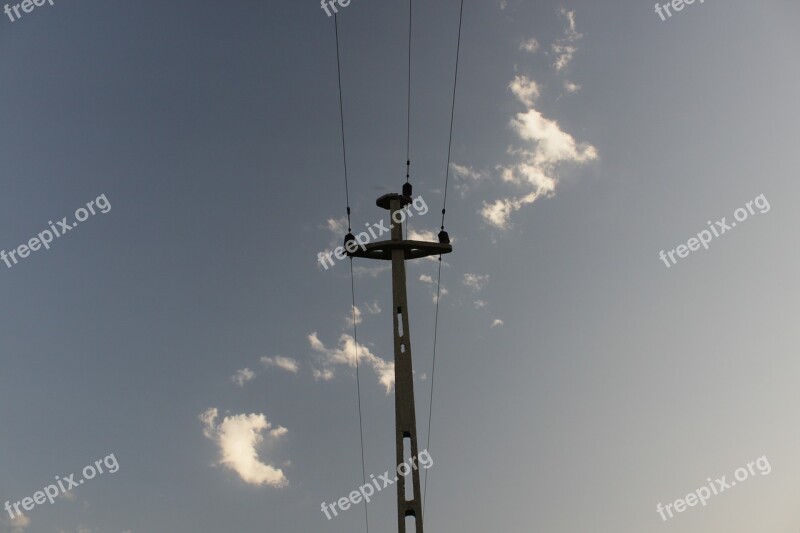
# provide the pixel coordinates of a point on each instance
(399, 251)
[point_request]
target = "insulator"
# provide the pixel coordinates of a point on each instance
(444, 238)
(407, 189)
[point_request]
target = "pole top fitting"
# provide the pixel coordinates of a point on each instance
(385, 201)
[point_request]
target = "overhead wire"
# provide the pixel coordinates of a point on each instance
(439, 275)
(352, 277)
(452, 113)
(408, 119)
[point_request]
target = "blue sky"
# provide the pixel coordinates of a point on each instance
(190, 332)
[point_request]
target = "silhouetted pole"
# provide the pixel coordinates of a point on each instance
(399, 251)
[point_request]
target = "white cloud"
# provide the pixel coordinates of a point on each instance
(18, 524)
(465, 173)
(359, 271)
(536, 169)
(337, 226)
(442, 292)
(474, 281)
(345, 354)
(531, 45)
(338, 229)
(429, 280)
(479, 304)
(427, 236)
(465, 177)
(424, 235)
(373, 308)
(525, 89)
(564, 53)
(565, 48)
(243, 376)
(285, 363)
(546, 146)
(238, 438)
(498, 213)
(324, 375)
(553, 146)
(354, 316)
(497, 322)
(69, 496)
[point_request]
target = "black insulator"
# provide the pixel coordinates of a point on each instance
(347, 238)
(407, 189)
(444, 238)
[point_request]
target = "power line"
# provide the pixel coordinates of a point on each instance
(352, 276)
(433, 375)
(358, 387)
(441, 235)
(452, 112)
(408, 121)
(341, 120)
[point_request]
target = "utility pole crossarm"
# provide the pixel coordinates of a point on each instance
(411, 249)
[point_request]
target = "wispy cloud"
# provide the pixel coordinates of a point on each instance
(551, 147)
(442, 293)
(565, 48)
(571, 88)
(238, 438)
(324, 374)
(546, 148)
(373, 308)
(337, 226)
(279, 361)
(465, 173)
(243, 376)
(373, 272)
(525, 89)
(355, 317)
(475, 281)
(529, 45)
(465, 177)
(496, 323)
(17, 524)
(424, 235)
(345, 354)
(429, 280)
